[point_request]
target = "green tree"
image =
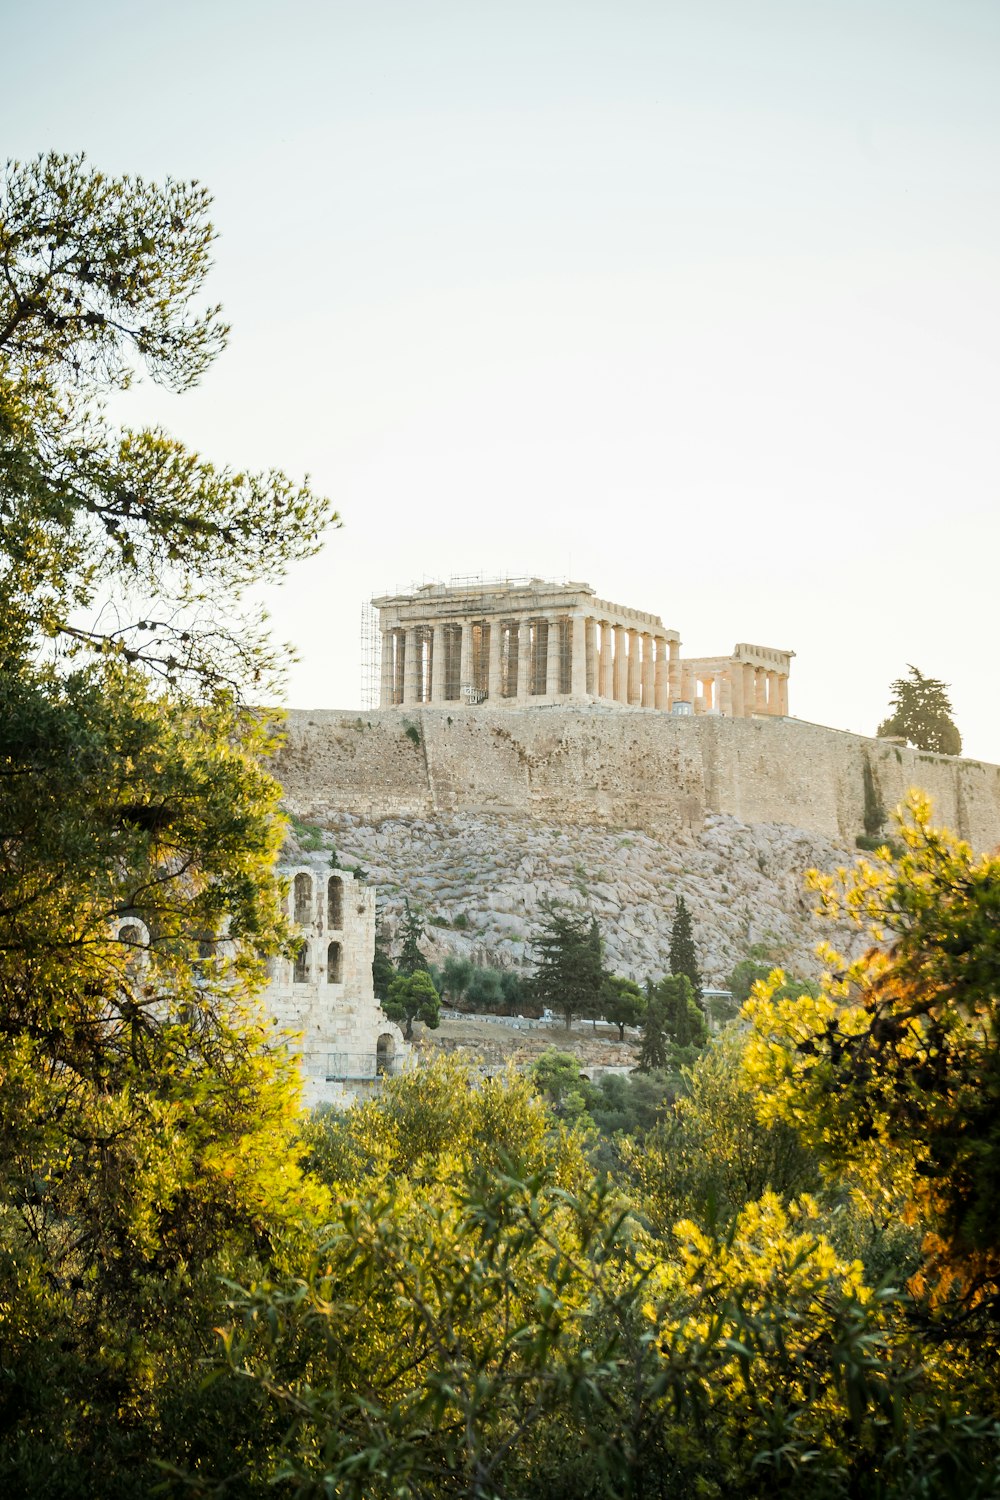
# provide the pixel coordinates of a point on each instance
(921, 714)
(412, 997)
(383, 968)
(557, 1076)
(622, 1002)
(145, 1131)
(569, 973)
(411, 959)
(485, 989)
(456, 973)
(654, 1050)
(683, 958)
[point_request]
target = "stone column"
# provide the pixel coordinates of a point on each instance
(772, 692)
(578, 658)
(674, 672)
(410, 665)
(553, 680)
(783, 694)
(759, 691)
(496, 642)
(634, 678)
(687, 685)
(648, 671)
(661, 683)
(736, 689)
(620, 686)
(437, 665)
(590, 637)
(724, 688)
(385, 685)
(399, 683)
(749, 690)
(523, 660)
(465, 661)
(605, 685)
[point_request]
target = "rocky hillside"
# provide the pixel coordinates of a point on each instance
(480, 882)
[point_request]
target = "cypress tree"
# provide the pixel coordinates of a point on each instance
(683, 959)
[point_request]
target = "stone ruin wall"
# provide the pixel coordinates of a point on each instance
(651, 772)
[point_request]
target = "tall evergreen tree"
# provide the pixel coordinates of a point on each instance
(921, 714)
(570, 971)
(683, 959)
(411, 959)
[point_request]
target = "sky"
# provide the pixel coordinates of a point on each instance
(697, 302)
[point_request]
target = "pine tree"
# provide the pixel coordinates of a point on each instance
(683, 959)
(921, 715)
(570, 973)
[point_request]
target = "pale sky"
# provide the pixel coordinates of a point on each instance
(698, 302)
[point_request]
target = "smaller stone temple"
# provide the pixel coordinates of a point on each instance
(346, 1043)
(526, 643)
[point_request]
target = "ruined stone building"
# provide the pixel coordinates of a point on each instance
(346, 1044)
(528, 643)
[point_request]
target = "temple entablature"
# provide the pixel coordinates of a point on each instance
(525, 643)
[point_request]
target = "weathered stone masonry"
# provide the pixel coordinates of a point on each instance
(345, 1043)
(646, 771)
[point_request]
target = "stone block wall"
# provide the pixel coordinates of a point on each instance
(649, 771)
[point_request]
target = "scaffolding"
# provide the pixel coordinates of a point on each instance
(371, 657)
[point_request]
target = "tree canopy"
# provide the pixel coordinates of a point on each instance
(147, 1117)
(921, 714)
(100, 281)
(569, 972)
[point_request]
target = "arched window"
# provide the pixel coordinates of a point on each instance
(335, 904)
(303, 898)
(131, 935)
(300, 974)
(334, 964)
(385, 1052)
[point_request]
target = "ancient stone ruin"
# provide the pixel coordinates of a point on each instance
(531, 643)
(344, 1041)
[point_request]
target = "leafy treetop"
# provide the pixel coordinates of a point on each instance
(99, 280)
(922, 715)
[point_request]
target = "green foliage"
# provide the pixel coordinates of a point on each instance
(922, 716)
(709, 1155)
(895, 1068)
(485, 989)
(672, 1020)
(411, 958)
(147, 1110)
(683, 958)
(456, 973)
(413, 997)
(412, 734)
(569, 974)
(525, 1333)
(310, 837)
(622, 1003)
(557, 1076)
(100, 279)
(874, 813)
(747, 973)
(383, 968)
(625, 1104)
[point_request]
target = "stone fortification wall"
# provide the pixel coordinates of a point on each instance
(639, 770)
